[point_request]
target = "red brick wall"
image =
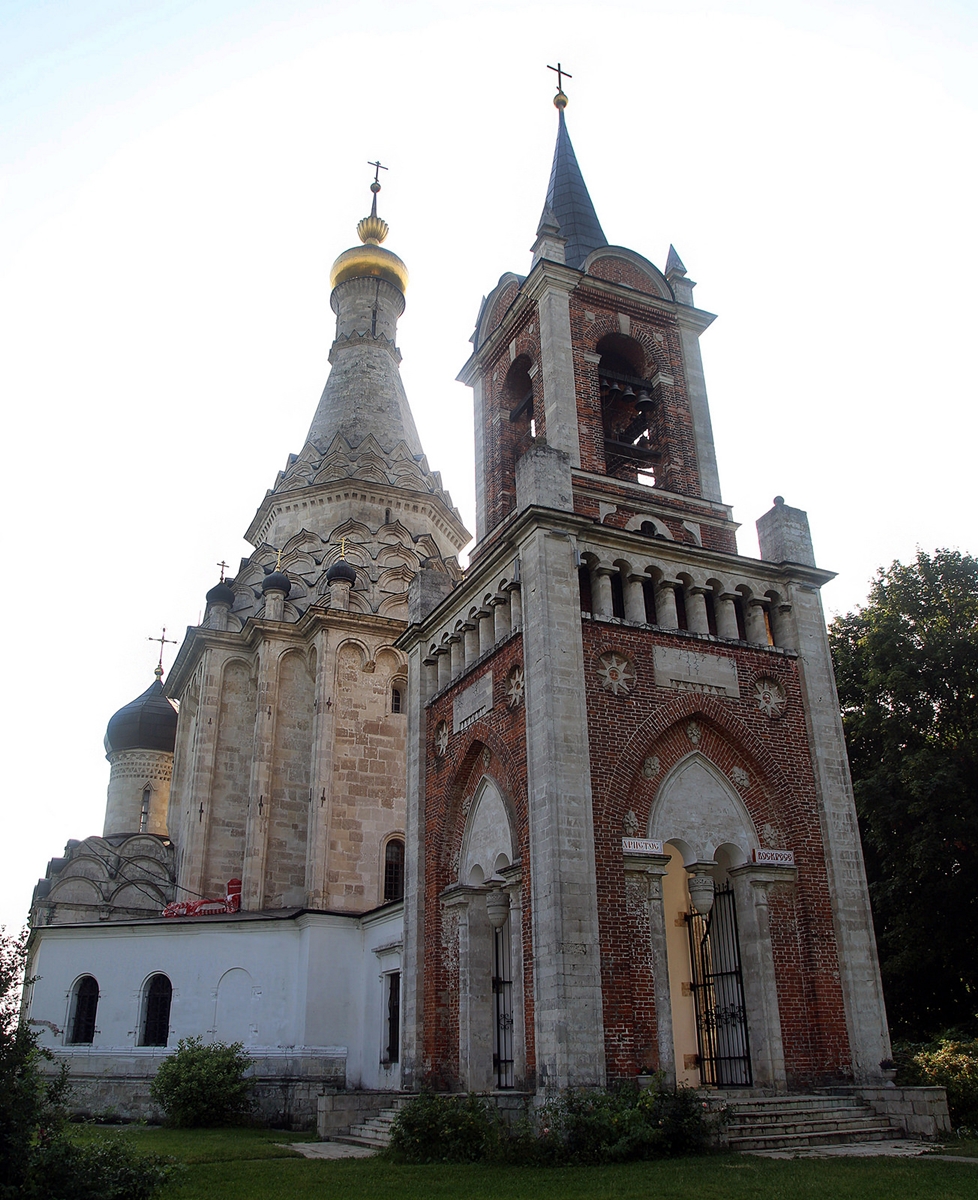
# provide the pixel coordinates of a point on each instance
(451, 783)
(652, 721)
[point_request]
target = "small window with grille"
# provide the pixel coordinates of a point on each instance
(394, 871)
(156, 1012)
(84, 1006)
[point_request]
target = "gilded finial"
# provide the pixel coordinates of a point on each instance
(372, 229)
(560, 100)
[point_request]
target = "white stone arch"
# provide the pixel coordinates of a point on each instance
(235, 1007)
(488, 837)
(698, 810)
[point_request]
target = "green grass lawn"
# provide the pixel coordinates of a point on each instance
(245, 1164)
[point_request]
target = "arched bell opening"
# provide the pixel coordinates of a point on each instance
(629, 410)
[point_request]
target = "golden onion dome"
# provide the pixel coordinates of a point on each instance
(370, 260)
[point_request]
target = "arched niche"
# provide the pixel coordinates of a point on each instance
(487, 843)
(698, 810)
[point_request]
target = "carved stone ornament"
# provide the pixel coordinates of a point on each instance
(441, 739)
(486, 758)
(770, 697)
(650, 768)
(515, 686)
(694, 733)
(616, 673)
(629, 824)
(740, 777)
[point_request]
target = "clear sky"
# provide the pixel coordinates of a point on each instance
(176, 178)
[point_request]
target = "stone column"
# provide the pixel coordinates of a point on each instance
(444, 652)
(500, 616)
(458, 655)
(475, 1000)
(666, 615)
(696, 617)
(487, 630)
(862, 989)
(470, 632)
(515, 605)
(727, 616)
(783, 626)
(634, 598)
(421, 686)
(754, 620)
(601, 601)
(651, 868)
(557, 368)
(566, 938)
(429, 666)
(259, 804)
(752, 885)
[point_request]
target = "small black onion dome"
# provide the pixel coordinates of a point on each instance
(341, 570)
(220, 593)
(278, 581)
(147, 723)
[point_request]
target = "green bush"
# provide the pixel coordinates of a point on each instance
(202, 1085)
(577, 1127)
(622, 1125)
(103, 1170)
(434, 1128)
(949, 1062)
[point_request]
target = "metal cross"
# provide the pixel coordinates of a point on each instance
(162, 639)
(560, 74)
(380, 167)
(224, 566)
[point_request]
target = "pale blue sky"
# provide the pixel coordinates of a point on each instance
(176, 178)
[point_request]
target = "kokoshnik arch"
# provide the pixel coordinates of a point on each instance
(577, 813)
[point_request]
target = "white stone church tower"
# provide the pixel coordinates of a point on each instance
(277, 846)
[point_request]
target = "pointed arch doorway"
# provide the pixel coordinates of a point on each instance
(707, 832)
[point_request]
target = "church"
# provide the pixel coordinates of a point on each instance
(576, 814)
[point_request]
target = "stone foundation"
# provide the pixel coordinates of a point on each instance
(287, 1088)
(921, 1112)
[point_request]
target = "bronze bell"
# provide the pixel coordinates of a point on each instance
(644, 404)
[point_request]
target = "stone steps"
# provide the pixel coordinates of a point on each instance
(375, 1132)
(802, 1122)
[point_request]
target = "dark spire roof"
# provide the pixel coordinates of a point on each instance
(147, 723)
(568, 200)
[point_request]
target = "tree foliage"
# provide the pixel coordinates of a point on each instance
(907, 670)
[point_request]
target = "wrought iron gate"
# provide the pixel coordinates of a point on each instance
(718, 993)
(502, 996)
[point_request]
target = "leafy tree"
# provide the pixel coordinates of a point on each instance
(30, 1101)
(907, 671)
(38, 1161)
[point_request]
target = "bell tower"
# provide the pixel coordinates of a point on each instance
(654, 713)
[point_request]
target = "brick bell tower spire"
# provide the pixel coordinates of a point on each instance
(568, 199)
(618, 722)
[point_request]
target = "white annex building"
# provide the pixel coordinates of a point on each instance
(577, 814)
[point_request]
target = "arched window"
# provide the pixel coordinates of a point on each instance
(628, 410)
(84, 1005)
(156, 1012)
(144, 810)
(394, 871)
(397, 698)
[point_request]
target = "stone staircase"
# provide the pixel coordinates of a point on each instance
(375, 1132)
(802, 1122)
